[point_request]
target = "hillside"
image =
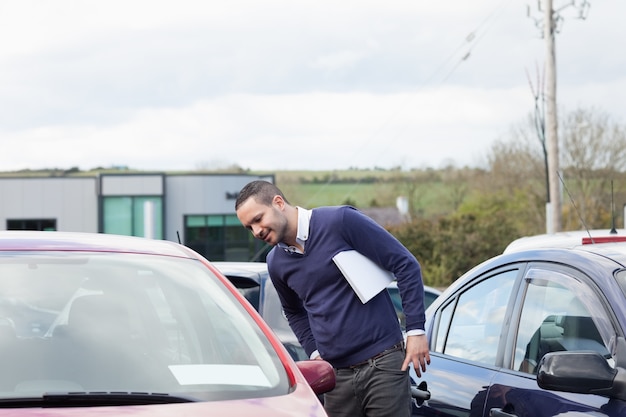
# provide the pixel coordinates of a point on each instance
(430, 192)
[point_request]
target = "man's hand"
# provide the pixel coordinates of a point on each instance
(417, 353)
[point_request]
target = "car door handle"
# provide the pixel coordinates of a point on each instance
(498, 412)
(420, 394)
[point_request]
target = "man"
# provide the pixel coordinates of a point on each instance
(363, 341)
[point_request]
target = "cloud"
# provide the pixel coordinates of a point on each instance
(282, 84)
(324, 130)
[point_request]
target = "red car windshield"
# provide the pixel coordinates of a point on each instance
(115, 322)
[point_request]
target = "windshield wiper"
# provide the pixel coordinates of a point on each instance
(93, 399)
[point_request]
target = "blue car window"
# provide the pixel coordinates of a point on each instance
(476, 324)
(555, 318)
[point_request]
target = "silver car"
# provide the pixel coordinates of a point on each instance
(253, 282)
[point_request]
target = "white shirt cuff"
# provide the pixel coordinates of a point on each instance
(415, 332)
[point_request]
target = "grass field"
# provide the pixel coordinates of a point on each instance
(360, 195)
(427, 196)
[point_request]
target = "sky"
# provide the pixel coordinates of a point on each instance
(288, 84)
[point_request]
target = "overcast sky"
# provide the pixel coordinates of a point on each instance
(287, 84)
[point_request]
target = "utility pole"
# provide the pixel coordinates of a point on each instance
(550, 23)
(553, 208)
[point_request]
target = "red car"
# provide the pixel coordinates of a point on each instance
(96, 324)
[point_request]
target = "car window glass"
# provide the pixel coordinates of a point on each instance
(442, 331)
(126, 322)
(273, 312)
(474, 330)
(555, 317)
(249, 288)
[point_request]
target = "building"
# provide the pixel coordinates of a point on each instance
(197, 210)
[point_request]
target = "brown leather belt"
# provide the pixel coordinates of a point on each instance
(396, 347)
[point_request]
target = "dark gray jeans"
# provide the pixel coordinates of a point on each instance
(376, 389)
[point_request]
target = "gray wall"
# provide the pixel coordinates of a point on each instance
(135, 185)
(200, 195)
(73, 202)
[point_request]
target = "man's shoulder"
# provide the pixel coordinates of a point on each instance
(347, 215)
(334, 210)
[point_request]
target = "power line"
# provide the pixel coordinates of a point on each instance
(472, 39)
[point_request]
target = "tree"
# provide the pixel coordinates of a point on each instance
(593, 153)
(448, 246)
(516, 175)
(594, 156)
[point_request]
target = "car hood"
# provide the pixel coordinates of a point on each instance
(291, 405)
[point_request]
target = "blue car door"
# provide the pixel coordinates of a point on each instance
(560, 310)
(513, 395)
(465, 336)
(453, 387)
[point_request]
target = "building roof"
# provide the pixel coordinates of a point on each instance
(385, 216)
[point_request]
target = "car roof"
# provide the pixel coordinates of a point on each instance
(568, 239)
(599, 260)
(19, 240)
(600, 263)
(583, 247)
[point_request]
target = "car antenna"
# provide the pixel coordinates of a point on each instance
(575, 208)
(178, 236)
(613, 230)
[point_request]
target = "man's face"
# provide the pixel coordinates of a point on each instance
(267, 223)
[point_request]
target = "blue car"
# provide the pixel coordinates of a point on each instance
(537, 331)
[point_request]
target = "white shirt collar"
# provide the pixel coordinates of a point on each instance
(304, 218)
(302, 233)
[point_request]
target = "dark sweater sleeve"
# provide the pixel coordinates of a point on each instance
(375, 242)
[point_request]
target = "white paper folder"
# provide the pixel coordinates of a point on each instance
(364, 275)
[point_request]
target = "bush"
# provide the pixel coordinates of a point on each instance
(450, 246)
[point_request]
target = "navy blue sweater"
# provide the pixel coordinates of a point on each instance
(323, 310)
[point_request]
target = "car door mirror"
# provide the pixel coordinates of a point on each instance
(319, 374)
(581, 372)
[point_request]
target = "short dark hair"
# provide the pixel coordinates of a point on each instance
(262, 191)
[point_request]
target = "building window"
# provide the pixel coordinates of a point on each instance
(133, 216)
(222, 238)
(32, 224)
